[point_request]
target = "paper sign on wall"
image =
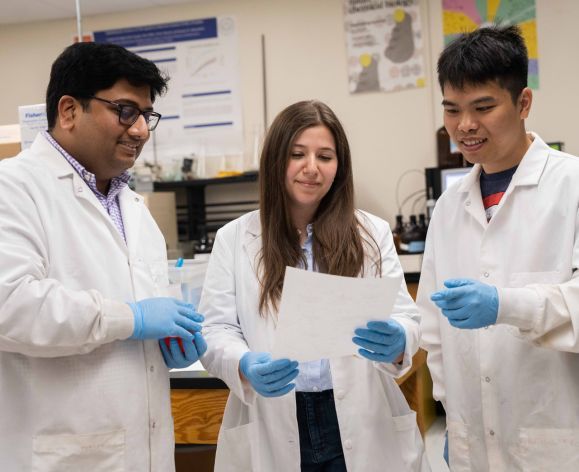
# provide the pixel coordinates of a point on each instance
(32, 120)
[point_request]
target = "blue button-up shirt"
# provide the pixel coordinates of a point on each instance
(110, 201)
(314, 376)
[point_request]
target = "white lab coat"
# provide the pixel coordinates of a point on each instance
(511, 391)
(260, 434)
(75, 395)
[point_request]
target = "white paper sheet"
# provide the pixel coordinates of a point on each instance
(319, 312)
(195, 367)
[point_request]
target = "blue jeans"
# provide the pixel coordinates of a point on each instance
(320, 443)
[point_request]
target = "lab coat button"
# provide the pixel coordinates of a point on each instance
(487, 379)
(491, 432)
(467, 203)
(152, 368)
(153, 424)
(79, 189)
(340, 394)
(316, 389)
(486, 274)
(348, 444)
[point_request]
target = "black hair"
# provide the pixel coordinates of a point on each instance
(486, 54)
(83, 69)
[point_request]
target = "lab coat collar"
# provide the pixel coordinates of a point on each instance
(253, 228)
(130, 202)
(473, 202)
(132, 207)
(252, 239)
(528, 172)
(61, 169)
(470, 180)
(533, 163)
(51, 157)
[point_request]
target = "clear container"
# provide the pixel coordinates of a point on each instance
(186, 282)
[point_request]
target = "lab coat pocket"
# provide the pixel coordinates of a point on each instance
(410, 442)
(149, 277)
(540, 449)
(458, 447)
(97, 452)
(234, 449)
(159, 271)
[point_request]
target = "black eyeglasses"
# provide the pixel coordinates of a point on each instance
(129, 114)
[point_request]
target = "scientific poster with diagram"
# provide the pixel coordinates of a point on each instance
(202, 109)
(384, 44)
(461, 16)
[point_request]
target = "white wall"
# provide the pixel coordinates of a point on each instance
(389, 133)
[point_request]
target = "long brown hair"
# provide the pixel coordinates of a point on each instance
(338, 247)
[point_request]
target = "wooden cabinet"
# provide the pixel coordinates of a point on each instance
(197, 414)
(416, 385)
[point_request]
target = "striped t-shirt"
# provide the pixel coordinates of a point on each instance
(493, 187)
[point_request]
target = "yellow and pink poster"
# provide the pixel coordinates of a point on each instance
(460, 16)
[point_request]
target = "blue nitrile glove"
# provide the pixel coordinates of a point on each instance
(445, 452)
(177, 358)
(160, 317)
(468, 304)
(383, 341)
(268, 378)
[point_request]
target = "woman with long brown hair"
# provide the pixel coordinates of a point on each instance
(345, 414)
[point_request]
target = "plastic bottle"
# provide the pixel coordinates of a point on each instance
(422, 224)
(397, 231)
(430, 202)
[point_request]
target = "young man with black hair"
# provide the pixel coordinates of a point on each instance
(499, 288)
(84, 382)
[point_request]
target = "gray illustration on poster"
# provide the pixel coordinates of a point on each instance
(368, 80)
(400, 48)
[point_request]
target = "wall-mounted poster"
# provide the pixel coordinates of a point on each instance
(461, 16)
(202, 109)
(385, 45)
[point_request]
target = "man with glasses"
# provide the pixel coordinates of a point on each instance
(83, 376)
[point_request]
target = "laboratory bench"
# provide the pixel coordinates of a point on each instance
(198, 401)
